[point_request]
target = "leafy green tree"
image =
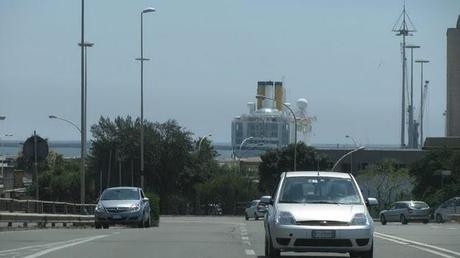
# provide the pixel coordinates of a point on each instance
(172, 164)
(386, 181)
(276, 161)
(227, 188)
(59, 178)
(429, 185)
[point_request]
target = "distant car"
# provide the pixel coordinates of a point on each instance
(447, 209)
(263, 204)
(253, 210)
(405, 211)
(122, 205)
(214, 209)
(319, 212)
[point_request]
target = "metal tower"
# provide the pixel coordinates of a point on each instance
(402, 28)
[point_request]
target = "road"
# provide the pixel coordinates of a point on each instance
(200, 237)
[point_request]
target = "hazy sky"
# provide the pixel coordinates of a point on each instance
(206, 59)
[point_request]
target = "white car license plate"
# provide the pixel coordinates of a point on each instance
(116, 217)
(323, 234)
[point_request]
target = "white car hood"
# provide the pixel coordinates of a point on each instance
(330, 212)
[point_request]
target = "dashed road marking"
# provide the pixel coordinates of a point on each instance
(244, 238)
(452, 228)
(249, 252)
(247, 242)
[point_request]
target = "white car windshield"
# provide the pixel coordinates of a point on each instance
(319, 190)
(120, 194)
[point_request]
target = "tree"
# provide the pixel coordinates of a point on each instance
(172, 165)
(385, 181)
(59, 178)
(276, 161)
(429, 184)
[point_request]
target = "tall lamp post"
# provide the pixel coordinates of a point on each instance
(83, 145)
(142, 59)
(239, 153)
(65, 120)
(346, 154)
(421, 62)
(2, 118)
(3, 157)
(295, 125)
(201, 140)
(351, 155)
(411, 133)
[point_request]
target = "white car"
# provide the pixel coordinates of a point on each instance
(447, 210)
(254, 210)
(319, 212)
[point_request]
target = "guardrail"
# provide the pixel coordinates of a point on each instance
(34, 206)
(43, 219)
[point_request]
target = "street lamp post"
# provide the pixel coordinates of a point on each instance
(351, 155)
(412, 140)
(346, 154)
(3, 157)
(239, 162)
(142, 59)
(421, 62)
(201, 140)
(67, 121)
(295, 126)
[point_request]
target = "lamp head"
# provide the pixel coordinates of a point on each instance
(148, 10)
(260, 97)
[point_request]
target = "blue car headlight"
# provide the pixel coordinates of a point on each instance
(135, 207)
(100, 208)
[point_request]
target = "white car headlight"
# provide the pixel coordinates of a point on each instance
(135, 207)
(286, 218)
(100, 207)
(360, 219)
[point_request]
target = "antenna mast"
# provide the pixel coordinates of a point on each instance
(402, 29)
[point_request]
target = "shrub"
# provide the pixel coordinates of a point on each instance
(154, 202)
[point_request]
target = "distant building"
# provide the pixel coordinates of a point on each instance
(268, 124)
(453, 81)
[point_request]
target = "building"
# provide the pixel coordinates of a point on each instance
(453, 81)
(269, 124)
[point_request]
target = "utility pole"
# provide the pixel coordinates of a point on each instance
(412, 128)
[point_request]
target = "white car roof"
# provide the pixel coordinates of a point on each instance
(316, 173)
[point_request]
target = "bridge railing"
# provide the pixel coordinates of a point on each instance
(46, 207)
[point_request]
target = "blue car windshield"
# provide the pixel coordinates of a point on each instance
(319, 190)
(120, 194)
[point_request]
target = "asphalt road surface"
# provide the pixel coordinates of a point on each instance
(202, 237)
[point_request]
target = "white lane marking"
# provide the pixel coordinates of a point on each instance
(202, 222)
(418, 243)
(245, 233)
(36, 246)
(244, 238)
(452, 228)
(250, 252)
(392, 240)
(433, 252)
(65, 246)
(247, 242)
(12, 253)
